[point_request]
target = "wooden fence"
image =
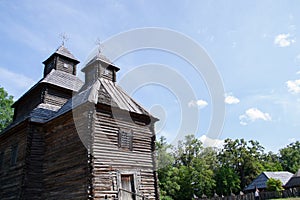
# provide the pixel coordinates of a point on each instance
(295, 192)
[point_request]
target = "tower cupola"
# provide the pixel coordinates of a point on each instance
(99, 67)
(62, 59)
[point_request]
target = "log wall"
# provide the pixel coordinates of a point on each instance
(65, 161)
(33, 170)
(65, 65)
(57, 97)
(28, 104)
(12, 175)
(110, 161)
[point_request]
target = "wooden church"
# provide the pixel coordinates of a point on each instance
(75, 140)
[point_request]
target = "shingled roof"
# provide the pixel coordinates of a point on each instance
(102, 58)
(58, 78)
(114, 97)
(63, 51)
(63, 79)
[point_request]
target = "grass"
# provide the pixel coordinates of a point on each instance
(291, 198)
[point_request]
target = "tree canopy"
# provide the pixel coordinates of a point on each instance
(6, 112)
(274, 185)
(190, 170)
(290, 157)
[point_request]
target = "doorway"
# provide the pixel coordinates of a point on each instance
(127, 183)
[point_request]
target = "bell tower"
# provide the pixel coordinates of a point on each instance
(62, 60)
(99, 67)
(54, 89)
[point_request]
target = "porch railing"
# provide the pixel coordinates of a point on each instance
(132, 193)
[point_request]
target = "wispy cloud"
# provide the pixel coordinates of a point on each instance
(284, 40)
(253, 114)
(198, 103)
(14, 83)
(229, 99)
(293, 86)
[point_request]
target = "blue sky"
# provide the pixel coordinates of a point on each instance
(254, 45)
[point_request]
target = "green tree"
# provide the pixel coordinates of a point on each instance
(244, 158)
(290, 157)
(227, 181)
(274, 185)
(167, 173)
(195, 170)
(6, 112)
(271, 162)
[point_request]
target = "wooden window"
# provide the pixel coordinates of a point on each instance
(66, 65)
(125, 139)
(14, 154)
(1, 159)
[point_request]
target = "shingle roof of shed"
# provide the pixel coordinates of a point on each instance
(284, 177)
(261, 180)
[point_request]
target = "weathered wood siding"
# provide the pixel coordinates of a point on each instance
(11, 176)
(28, 104)
(110, 161)
(65, 161)
(56, 96)
(65, 65)
(33, 171)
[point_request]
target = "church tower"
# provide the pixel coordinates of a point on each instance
(53, 90)
(62, 60)
(75, 140)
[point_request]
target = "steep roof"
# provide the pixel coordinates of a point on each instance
(44, 111)
(63, 51)
(294, 181)
(284, 176)
(106, 92)
(58, 78)
(261, 180)
(102, 58)
(63, 79)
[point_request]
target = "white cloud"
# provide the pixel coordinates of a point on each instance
(298, 72)
(15, 84)
(229, 99)
(293, 86)
(199, 103)
(252, 115)
(283, 40)
(209, 142)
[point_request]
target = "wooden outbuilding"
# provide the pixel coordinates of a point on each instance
(260, 182)
(294, 182)
(75, 140)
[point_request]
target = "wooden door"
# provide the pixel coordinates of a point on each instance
(128, 185)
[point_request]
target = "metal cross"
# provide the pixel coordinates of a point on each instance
(64, 37)
(98, 43)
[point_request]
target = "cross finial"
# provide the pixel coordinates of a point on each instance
(98, 43)
(64, 37)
